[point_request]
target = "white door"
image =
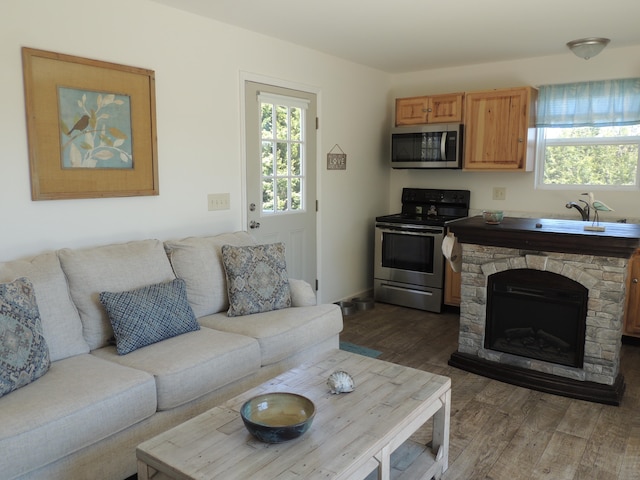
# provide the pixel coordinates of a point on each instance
(280, 126)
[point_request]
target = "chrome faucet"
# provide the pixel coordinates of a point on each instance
(585, 212)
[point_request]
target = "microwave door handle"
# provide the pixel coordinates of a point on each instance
(443, 146)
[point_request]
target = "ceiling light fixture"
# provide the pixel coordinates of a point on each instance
(588, 47)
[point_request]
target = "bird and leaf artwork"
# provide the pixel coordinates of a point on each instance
(95, 129)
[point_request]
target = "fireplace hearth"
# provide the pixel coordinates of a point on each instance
(542, 305)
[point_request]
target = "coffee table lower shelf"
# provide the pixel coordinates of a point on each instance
(352, 437)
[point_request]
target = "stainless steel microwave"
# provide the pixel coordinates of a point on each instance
(427, 146)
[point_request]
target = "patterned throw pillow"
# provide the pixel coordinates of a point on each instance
(149, 314)
(24, 355)
(256, 278)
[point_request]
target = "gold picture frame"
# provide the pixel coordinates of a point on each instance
(91, 127)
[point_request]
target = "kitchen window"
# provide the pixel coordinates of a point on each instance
(589, 135)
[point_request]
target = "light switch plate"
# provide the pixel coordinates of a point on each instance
(499, 193)
(218, 201)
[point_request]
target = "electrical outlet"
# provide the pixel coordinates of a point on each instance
(218, 201)
(499, 193)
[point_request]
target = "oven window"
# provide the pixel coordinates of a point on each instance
(408, 252)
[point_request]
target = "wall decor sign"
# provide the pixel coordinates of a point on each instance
(336, 161)
(91, 127)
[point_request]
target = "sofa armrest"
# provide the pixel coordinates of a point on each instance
(302, 294)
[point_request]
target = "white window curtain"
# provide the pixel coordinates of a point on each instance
(607, 102)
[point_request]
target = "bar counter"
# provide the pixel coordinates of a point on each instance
(553, 235)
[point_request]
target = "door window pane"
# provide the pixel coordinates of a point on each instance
(282, 158)
(267, 196)
(267, 159)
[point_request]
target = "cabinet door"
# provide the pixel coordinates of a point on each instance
(632, 307)
(445, 108)
(411, 111)
(497, 125)
(452, 286)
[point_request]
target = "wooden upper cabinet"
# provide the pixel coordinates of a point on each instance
(632, 306)
(432, 109)
(500, 129)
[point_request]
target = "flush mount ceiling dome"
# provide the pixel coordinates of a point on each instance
(588, 47)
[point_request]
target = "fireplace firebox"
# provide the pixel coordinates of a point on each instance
(536, 314)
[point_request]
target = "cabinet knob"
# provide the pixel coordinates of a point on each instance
(635, 280)
(520, 140)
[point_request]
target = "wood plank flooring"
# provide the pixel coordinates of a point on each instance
(500, 431)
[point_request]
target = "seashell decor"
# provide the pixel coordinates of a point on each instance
(340, 382)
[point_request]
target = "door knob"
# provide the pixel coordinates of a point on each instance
(254, 224)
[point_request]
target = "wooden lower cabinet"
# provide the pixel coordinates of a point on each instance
(632, 307)
(452, 285)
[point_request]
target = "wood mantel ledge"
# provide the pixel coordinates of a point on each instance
(619, 240)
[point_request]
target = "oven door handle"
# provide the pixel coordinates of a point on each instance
(411, 231)
(404, 289)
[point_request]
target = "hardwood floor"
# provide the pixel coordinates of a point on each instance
(500, 431)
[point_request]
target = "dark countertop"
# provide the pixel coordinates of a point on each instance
(553, 235)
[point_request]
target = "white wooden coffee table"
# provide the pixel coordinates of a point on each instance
(352, 434)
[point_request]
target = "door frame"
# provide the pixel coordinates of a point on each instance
(278, 82)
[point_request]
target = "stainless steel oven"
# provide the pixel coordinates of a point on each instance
(409, 265)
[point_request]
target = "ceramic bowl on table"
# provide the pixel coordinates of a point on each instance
(277, 417)
(492, 217)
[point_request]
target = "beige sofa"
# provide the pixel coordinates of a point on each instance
(84, 417)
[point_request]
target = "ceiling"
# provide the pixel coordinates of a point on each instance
(398, 36)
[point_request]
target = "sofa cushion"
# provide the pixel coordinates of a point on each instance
(110, 268)
(81, 400)
(282, 333)
(198, 261)
(61, 325)
(149, 314)
(257, 278)
(191, 365)
(24, 355)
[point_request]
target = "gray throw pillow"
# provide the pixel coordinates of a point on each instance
(24, 355)
(149, 314)
(256, 278)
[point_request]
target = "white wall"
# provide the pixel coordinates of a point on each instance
(197, 64)
(522, 197)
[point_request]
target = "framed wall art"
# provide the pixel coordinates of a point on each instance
(91, 127)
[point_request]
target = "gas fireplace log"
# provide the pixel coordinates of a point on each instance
(519, 332)
(553, 340)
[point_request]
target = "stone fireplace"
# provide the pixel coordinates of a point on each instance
(592, 371)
